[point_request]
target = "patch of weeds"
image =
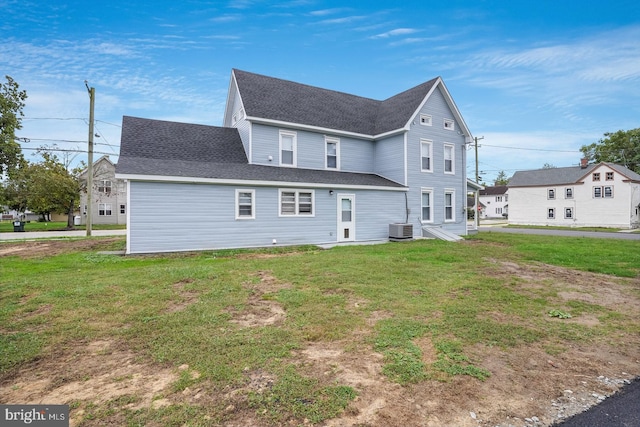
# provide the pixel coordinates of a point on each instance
(18, 348)
(294, 397)
(559, 314)
(185, 380)
(403, 359)
(452, 361)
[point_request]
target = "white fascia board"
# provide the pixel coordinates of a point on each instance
(319, 129)
(227, 108)
(254, 183)
(452, 105)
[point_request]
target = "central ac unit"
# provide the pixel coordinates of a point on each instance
(399, 231)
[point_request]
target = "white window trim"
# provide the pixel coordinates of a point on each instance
(449, 124)
(569, 210)
(453, 205)
(566, 190)
(426, 120)
(430, 192)
(604, 192)
(429, 144)
(327, 140)
(593, 192)
(294, 135)
(253, 204)
(551, 211)
(549, 193)
(110, 210)
(297, 213)
(453, 159)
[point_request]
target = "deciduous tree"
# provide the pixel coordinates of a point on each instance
(621, 147)
(11, 105)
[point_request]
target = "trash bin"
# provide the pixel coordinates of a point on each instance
(18, 226)
(76, 220)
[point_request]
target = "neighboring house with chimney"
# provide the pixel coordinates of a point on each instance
(296, 164)
(494, 202)
(589, 195)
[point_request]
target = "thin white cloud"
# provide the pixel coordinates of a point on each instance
(326, 12)
(344, 20)
(395, 32)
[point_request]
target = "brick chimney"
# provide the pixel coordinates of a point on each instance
(584, 163)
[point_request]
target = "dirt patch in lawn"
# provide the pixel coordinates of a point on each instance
(529, 385)
(50, 247)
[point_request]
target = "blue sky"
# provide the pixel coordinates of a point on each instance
(536, 79)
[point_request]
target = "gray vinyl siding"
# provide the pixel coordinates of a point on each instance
(437, 180)
(173, 217)
(389, 158)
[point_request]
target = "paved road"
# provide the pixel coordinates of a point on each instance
(569, 233)
(620, 410)
(30, 235)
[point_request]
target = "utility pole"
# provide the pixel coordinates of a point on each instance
(92, 99)
(476, 139)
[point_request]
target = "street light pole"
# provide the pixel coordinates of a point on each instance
(92, 98)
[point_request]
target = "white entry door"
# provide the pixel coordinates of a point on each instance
(346, 217)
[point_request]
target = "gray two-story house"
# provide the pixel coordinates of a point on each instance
(296, 164)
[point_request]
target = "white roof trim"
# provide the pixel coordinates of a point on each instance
(330, 131)
(254, 183)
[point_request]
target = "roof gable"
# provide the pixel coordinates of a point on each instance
(274, 99)
(567, 175)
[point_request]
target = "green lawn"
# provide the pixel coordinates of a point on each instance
(425, 288)
(7, 226)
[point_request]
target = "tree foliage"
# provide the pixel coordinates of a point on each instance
(621, 147)
(44, 188)
(501, 179)
(11, 105)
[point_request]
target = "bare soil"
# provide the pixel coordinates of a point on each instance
(527, 387)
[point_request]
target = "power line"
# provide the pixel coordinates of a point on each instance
(530, 149)
(63, 150)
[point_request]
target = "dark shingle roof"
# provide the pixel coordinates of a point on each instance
(559, 176)
(493, 191)
(162, 148)
(282, 100)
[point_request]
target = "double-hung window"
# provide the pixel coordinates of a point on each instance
(333, 153)
(104, 209)
(104, 186)
(551, 213)
(449, 206)
(568, 213)
(288, 143)
(568, 193)
(427, 196)
(426, 154)
(245, 204)
(449, 158)
(296, 203)
(551, 193)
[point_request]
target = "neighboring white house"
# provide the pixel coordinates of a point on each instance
(109, 195)
(494, 202)
(297, 164)
(597, 195)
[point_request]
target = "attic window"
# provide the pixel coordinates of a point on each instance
(426, 120)
(449, 124)
(609, 176)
